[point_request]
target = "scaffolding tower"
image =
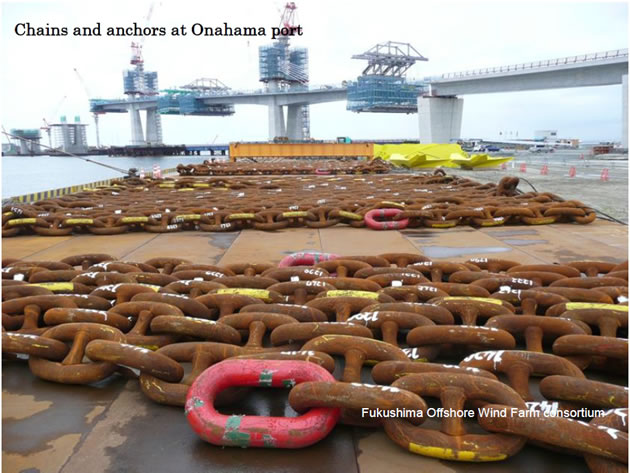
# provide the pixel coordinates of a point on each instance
(70, 137)
(382, 87)
(383, 94)
(278, 62)
(284, 68)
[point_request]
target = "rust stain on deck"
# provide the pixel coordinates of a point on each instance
(94, 413)
(48, 460)
(21, 406)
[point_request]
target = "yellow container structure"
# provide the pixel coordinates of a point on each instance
(300, 150)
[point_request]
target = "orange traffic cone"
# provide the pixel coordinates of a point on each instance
(604, 176)
(572, 171)
(545, 170)
(523, 167)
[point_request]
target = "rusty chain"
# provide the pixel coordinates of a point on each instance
(81, 320)
(225, 204)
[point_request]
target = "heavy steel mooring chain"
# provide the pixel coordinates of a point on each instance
(408, 328)
(274, 203)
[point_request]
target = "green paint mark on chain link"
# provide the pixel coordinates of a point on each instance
(196, 403)
(233, 435)
(266, 378)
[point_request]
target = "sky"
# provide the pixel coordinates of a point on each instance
(36, 73)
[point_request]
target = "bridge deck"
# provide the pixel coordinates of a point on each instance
(555, 75)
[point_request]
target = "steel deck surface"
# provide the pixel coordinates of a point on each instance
(112, 427)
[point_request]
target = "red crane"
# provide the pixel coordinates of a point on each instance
(289, 18)
(288, 15)
(136, 46)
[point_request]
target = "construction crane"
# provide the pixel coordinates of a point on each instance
(287, 20)
(290, 20)
(136, 56)
(46, 128)
(89, 96)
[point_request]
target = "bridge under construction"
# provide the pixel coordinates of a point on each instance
(382, 87)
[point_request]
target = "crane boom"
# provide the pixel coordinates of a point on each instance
(89, 96)
(46, 126)
(136, 46)
(83, 84)
(287, 19)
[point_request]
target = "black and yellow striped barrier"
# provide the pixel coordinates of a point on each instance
(51, 194)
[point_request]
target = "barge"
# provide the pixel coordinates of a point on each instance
(110, 426)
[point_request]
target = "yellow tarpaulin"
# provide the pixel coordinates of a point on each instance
(417, 160)
(433, 155)
(479, 160)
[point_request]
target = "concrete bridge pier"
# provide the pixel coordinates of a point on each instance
(440, 118)
(624, 111)
(295, 121)
(276, 121)
(25, 146)
(153, 126)
(137, 137)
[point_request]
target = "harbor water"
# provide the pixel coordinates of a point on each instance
(27, 174)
